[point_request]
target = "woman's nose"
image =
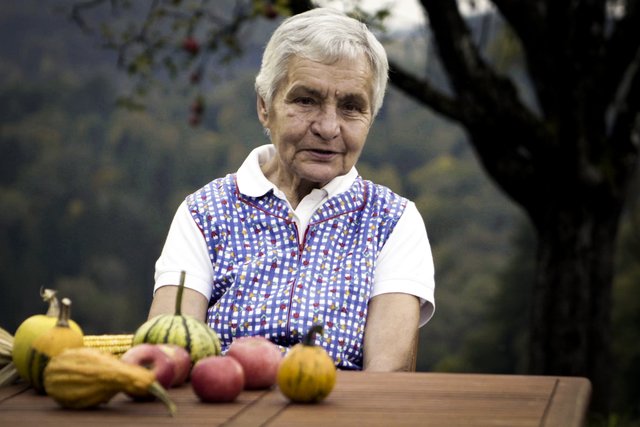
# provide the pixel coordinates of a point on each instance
(326, 124)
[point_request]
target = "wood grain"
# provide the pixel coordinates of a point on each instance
(359, 398)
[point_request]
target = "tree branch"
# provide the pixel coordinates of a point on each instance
(455, 45)
(77, 11)
(526, 18)
(625, 122)
(477, 86)
(510, 139)
(621, 46)
(562, 41)
(531, 22)
(424, 92)
(299, 6)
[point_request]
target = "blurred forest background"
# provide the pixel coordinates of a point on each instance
(88, 189)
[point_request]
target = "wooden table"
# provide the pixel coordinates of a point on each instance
(358, 399)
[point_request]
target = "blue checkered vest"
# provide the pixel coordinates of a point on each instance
(267, 283)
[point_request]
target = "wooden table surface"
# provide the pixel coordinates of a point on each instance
(358, 399)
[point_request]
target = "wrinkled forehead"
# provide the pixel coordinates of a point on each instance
(330, 53)
(350, 76)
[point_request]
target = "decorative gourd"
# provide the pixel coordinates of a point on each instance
(51, 343)
(186, 331)
(33, 327)
(85, 377)
(307, 374)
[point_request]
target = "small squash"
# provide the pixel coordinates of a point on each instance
(31, 328)
(87, 377)
(186, 331)
(307, 374)
(50, 344)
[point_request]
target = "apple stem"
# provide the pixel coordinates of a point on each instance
(179, 294)
(310, 337)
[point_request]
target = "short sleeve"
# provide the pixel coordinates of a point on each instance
(405, 264)
(185, 249)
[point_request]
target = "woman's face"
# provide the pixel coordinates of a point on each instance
(319, 120)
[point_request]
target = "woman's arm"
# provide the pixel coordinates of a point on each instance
(391, 333)
(164, 302)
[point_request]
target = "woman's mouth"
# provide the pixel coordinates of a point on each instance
(322, 155)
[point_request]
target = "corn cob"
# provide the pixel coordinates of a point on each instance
(115, 344)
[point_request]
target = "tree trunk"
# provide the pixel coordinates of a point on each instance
(571, 308)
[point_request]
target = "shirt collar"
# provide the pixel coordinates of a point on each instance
(252, 182)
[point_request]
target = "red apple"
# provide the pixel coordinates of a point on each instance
(260, 360)
(181, 362)
(151, 357)
(217, 379)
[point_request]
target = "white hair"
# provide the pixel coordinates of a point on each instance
(321, 35)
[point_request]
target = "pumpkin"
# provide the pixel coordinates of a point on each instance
(31, 328)
(86, 377)
(51, 343)
(307, 374)
(186, 331)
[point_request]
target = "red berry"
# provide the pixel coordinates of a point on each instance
(270, 12)
(195, 77)
(194, 120)
(197, 107)
(191, 45)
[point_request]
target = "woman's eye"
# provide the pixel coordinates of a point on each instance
(305, 101)
(352, 108)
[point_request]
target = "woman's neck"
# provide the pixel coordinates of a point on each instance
(294, 188)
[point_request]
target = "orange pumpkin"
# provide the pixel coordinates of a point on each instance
(307, 374)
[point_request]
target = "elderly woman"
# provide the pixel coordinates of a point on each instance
(296, 237)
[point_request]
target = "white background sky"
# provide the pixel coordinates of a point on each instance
(404, 13)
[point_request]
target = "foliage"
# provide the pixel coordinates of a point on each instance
(87, 211)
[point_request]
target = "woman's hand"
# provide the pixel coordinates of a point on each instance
(391, 334)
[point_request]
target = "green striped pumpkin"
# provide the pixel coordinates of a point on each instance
(181, 329)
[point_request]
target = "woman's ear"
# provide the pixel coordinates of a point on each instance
(263, 112)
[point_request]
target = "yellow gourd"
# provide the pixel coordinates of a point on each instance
(307, 374)
(51, 343)
(85, 377)
(33, 327)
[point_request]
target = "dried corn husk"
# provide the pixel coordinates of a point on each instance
(6, 345)
(8, 372)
